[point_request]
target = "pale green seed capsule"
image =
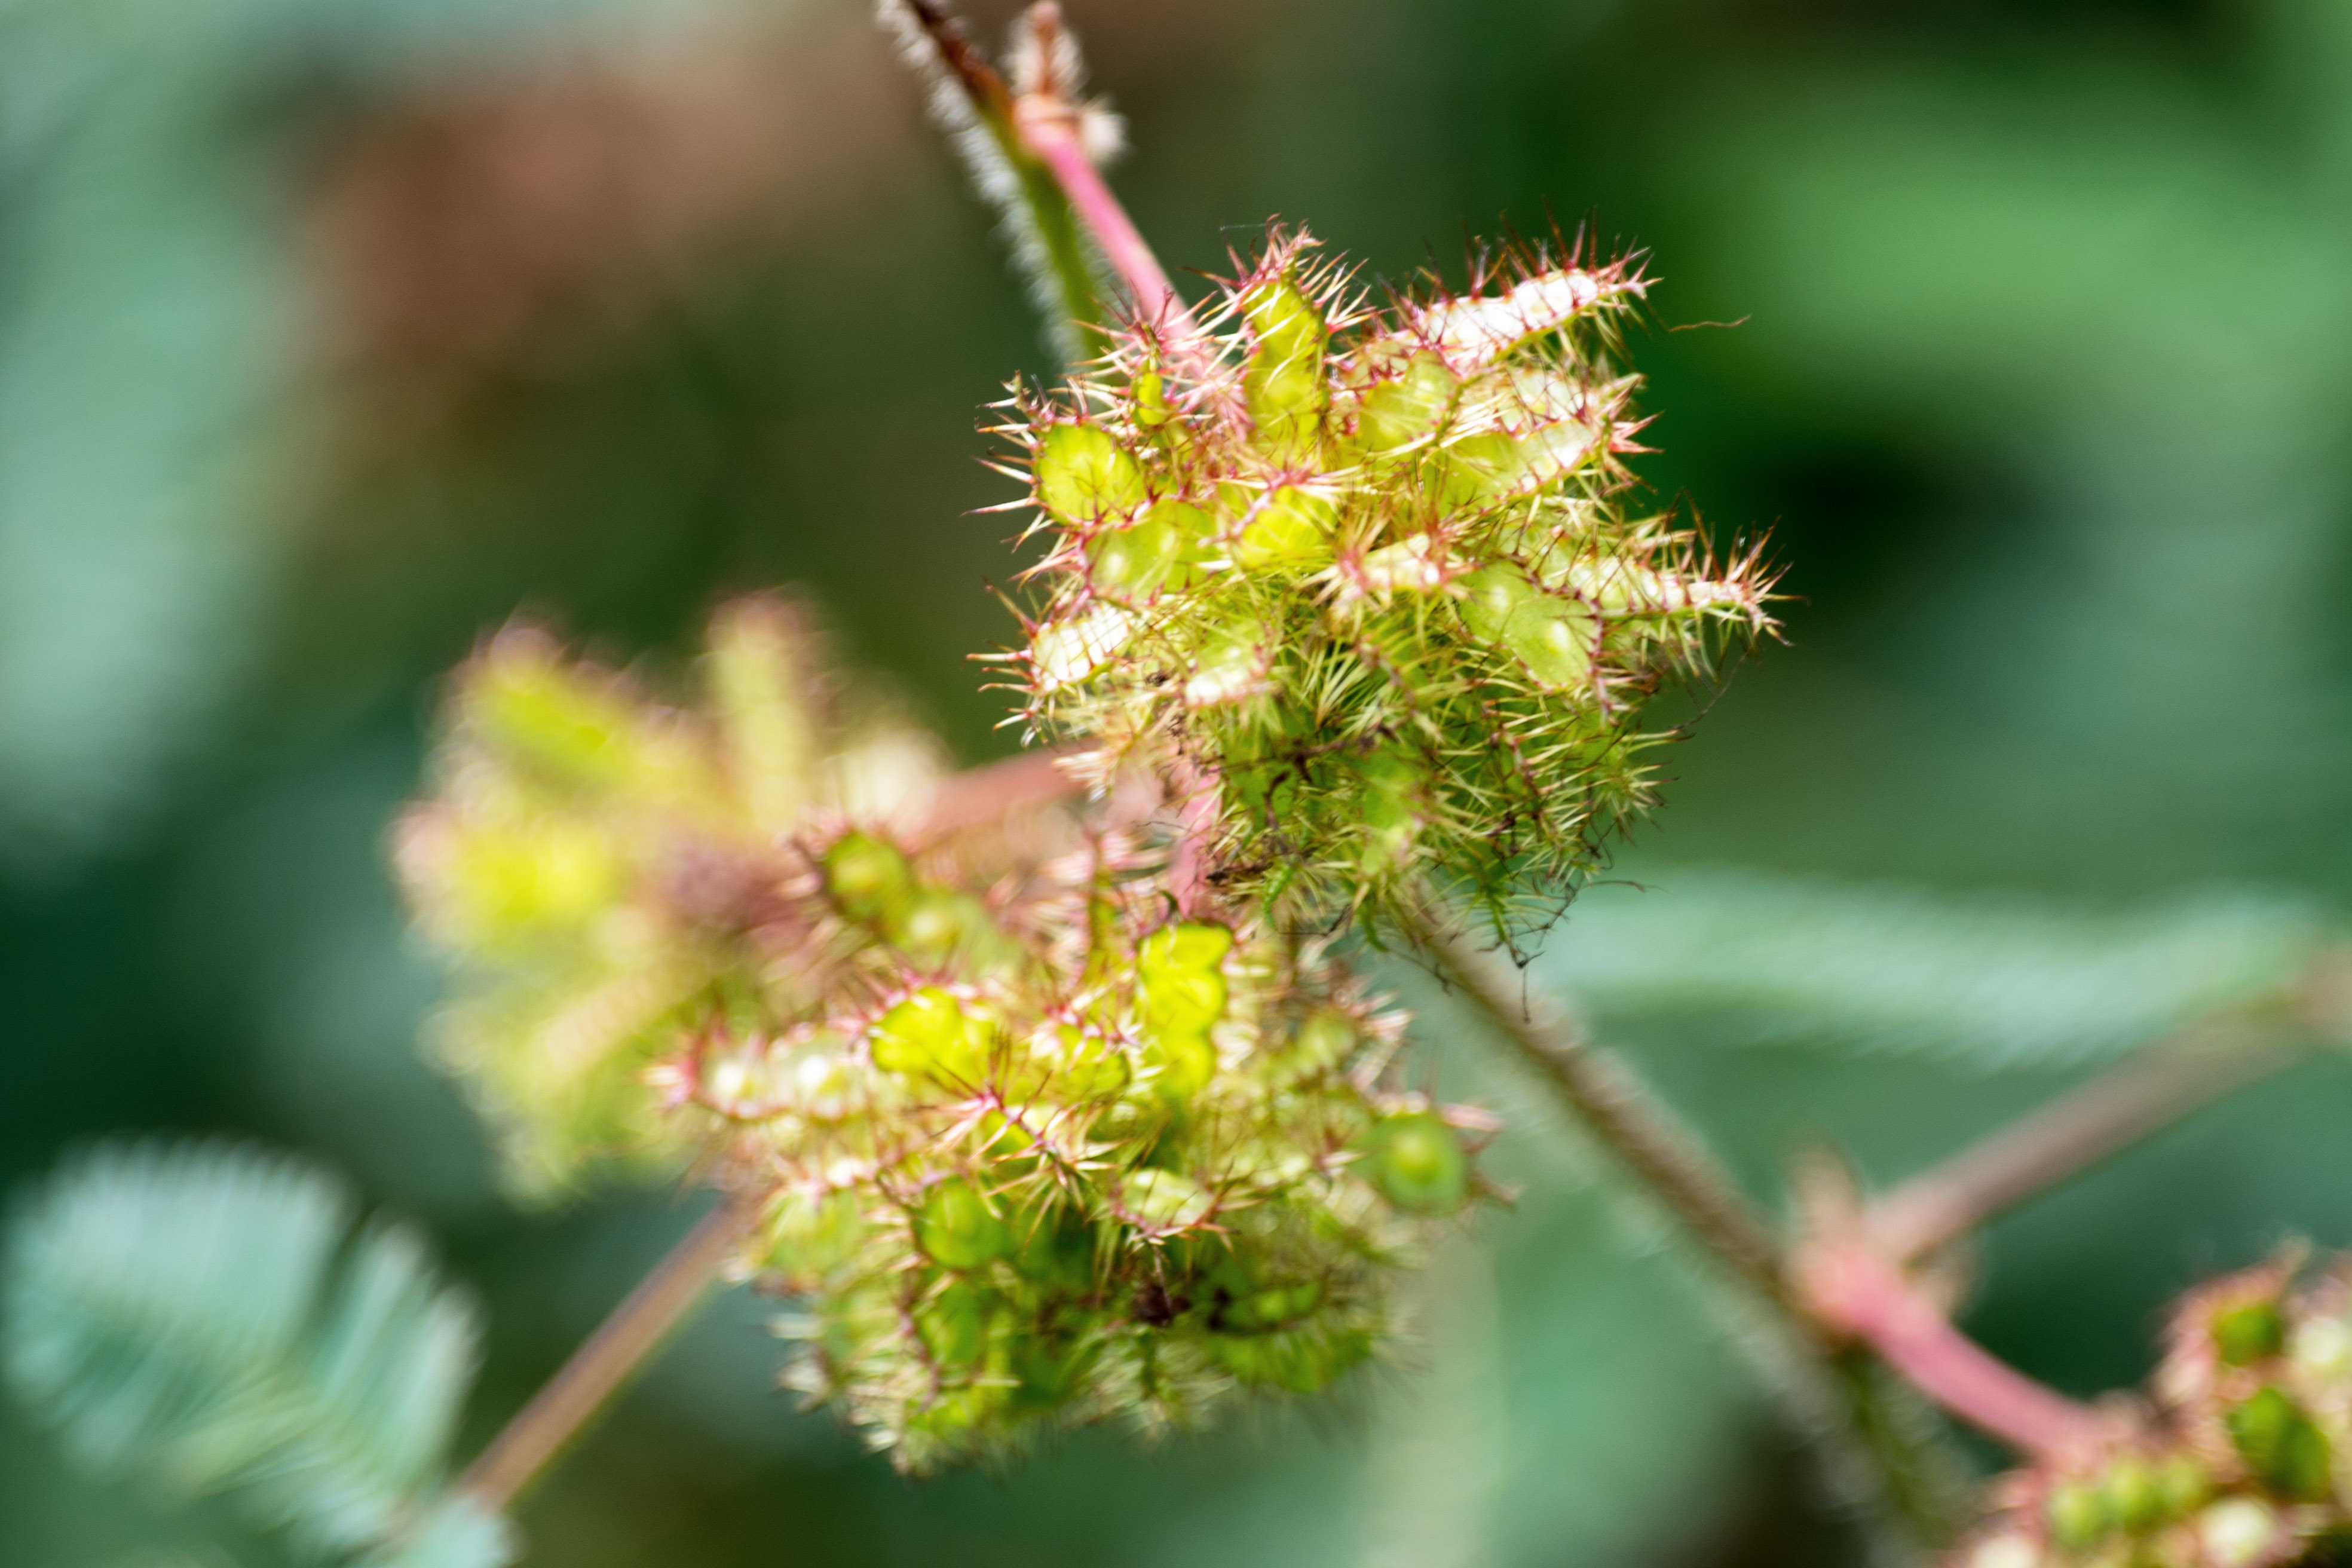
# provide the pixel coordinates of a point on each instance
(2286, 1452)
(928, 1036)
(1084, 476)
(1417, 1163)
(1556, 640)
(1283, 383)
(867, 879)
(1157, 552)
(2132, 1494)
(1289, 529)
(1186, 947)
(2078, 1515)
(957, 1228)
(1394, 413)
(953, 1325)
(2248, 1332)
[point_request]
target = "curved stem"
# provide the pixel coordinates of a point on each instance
(1614, 1106)
(582, 1387)
(2069, 1135)
(1850, 1288)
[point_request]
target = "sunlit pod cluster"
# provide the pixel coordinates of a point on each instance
(1030, 1149)
(2242, 1457)
(1370, 572)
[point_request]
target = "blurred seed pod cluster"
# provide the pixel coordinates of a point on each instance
(2239, 1457)
(1370, 572)
(1031, 1149)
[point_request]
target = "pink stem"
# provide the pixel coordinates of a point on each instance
(1853, 1290)
(1048, 128)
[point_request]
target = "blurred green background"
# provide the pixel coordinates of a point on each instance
(333, 333)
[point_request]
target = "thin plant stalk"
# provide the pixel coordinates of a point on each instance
(2071, 1134)
(609, 1358)
(1674, 1169)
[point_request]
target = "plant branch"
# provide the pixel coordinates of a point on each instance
(1613, 1105)
(1848, 1287)
(560, 1410)
(2071, 1134)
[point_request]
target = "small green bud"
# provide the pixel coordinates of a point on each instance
(2286, 1452)
(2078, 1515)
(1189, 945)
(1297, 1360)
(867, 878)
(1157, 551)
(1397, 413)
(2184, 1486)
(1083, 475)
(1283, 385)
(930, 1036)
(2132, 1494)
(953, 1323)
(1556, 638)
(1417, 1163)
(956, 1227)
(2248, 1332)
(1289, 529)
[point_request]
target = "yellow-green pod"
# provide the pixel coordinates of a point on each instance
(1393, 414)
(1289, 529)
(958, 1228)
(1158, 550)
(1417, 1163)
(1083, 475)
(1282, 385)
(868, 877)
(930, 1036)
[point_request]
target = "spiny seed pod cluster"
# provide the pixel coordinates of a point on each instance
(1032, 1149)
(1074, 1159)
(600, 867)
(1370, 571)
(2242, 1458)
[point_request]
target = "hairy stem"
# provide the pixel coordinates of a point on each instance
(1677, 1171)
(582, 1387)
(2070, 1135)
(1850, 1288)
(1614, 1106)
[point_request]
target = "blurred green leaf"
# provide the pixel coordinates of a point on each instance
(1994, 980)
(205, 1312)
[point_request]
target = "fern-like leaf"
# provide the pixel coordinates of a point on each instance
(209, 1313)
(1997, 981)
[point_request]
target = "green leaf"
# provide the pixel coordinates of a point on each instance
(208, 1313)
(1998, 979)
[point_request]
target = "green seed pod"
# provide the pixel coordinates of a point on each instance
(957, 1228)
(952, 1323)
(1288, 530)
(2183, 1485)
(1084, 475)
(1160, 550)
(1282, 384)
(1416, 1161)
(2131, 1496)
(930, 1036)
(1297, 1360)
(2248, 1332)
(2078, 1516)
(1557, 639)
(867, 878)
(1398, 413)
(2279, 1443)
